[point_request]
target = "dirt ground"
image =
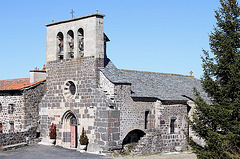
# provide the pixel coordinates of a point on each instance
(170, 155)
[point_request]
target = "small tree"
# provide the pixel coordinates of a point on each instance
(218, 122)
(52, 132)
(83, 138)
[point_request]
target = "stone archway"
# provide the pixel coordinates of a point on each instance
(69, 133)
(133, 136)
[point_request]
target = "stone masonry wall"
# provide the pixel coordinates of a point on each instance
(106, 86)
(167, 111)
(107, 127)
(16, 118)
(32, 98)
(160, 139)
(25, 108)
(149, 144)
(17, 137)
(132, 116)
(58, 73)
(132, 113)
(89, 105)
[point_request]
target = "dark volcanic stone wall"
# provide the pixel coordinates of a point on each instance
(83, 72)
(17, 137)
(16, 117)
(167, 111)
(132, 117)
(132, 111)
(25, 104)
(32, 98)
(89, 104)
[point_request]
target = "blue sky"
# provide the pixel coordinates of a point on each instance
(154, 35)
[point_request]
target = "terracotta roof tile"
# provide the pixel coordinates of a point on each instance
(16, 84)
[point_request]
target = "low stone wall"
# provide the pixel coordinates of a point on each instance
(18, 137)
(149, 144)
(154, 142)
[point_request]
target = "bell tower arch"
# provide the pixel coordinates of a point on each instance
(59, 46)
(81, 42)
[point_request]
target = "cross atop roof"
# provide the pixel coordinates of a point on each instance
(72, 12)
(191, 73)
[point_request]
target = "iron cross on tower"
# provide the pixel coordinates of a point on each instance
(72, 12)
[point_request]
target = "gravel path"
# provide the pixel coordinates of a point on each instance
(171, 155)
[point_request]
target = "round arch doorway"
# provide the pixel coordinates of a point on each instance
(69, 133)
(133, 136)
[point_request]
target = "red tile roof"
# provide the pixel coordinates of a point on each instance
(16, 84)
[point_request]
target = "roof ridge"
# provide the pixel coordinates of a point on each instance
(32, 84)
(172, 74)
(17, 84)
(14, 79)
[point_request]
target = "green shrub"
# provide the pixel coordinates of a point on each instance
(83, 138)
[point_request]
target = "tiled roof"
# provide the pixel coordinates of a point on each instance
(157, 85)
(16, 84)
(113, 74)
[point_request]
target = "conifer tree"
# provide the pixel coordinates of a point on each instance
(218, 122)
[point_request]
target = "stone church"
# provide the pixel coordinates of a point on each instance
(81, 88)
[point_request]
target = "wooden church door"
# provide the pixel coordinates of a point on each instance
(73, 136)
(73, 129)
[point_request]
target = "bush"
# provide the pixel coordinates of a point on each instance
(52, 132)
(83, 138)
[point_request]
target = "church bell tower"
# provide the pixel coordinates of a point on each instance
(76, 37)
(75, 49)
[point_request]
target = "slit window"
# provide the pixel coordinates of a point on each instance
(11, 127)
(10, 108)
(172, 126)
(1, 128)
(146, 119)
(0, 107)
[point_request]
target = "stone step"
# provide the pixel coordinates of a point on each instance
(14, 146)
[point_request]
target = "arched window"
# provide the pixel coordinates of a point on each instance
(70, 37)
(81, 42)
(60, 45)
(73, 121)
